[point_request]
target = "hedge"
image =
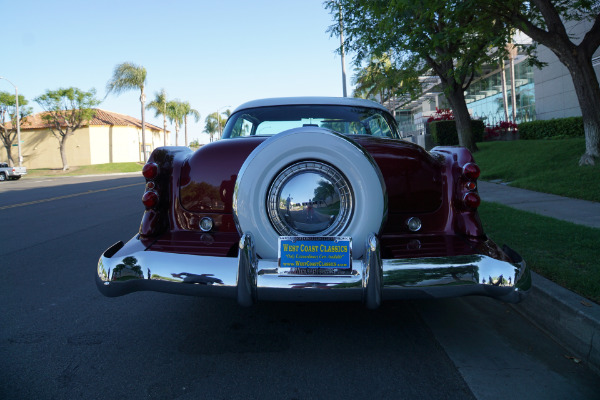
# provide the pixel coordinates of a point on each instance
(553, 128)
(444, 133)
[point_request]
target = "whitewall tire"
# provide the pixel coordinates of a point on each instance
(369, 205)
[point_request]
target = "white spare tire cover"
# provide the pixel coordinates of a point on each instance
(308, 146)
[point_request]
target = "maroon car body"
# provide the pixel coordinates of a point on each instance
(216, 218)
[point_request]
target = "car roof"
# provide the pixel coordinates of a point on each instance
(286, 101)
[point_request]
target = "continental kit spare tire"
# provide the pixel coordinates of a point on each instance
(309, 182)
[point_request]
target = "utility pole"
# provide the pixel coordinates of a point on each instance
(343, 52)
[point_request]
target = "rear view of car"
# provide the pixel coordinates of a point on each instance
(312, 199)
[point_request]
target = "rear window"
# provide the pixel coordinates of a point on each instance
(348, 120)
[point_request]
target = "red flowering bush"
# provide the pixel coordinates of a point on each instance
(499, 129)
(441, 114)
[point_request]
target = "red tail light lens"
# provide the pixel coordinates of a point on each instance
(472, 200)
(150, 171)
(471, 171)
(150, 199)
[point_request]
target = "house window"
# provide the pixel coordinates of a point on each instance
(148, 151)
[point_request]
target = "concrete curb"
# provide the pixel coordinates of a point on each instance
(568, 318)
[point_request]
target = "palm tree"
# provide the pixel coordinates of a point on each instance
(223, 121)
(188, 110)
(215, 122)
(128, 76)
(159, 104)
(377, 79)
(175, 115)
(210, 126)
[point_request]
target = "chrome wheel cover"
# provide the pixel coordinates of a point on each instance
(310, 198)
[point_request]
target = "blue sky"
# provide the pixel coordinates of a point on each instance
(210, 53)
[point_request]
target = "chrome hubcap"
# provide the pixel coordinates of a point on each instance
(310, 198)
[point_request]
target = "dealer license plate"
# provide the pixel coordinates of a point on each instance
(315, 255)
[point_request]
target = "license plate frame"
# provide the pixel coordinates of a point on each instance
(315, 255)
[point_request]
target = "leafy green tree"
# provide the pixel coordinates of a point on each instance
(128, 76)
(188, 111)
(324, 191)
(159, 105)
(546, 22)
(195, 143)
(448, 37)
(67, 110)
(175, 113)
(8, 120)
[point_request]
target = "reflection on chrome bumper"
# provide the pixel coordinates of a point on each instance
(126, 268)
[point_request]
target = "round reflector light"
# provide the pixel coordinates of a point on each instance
(206, 224)
(472, 200)
(150, 170)
(150, 199)
(471, 171)
(414, 224)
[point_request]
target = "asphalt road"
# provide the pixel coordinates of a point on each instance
(61, 339)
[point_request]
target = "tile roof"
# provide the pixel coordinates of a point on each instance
(102, 117)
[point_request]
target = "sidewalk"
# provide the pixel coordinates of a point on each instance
(567, 317)
(577, 211)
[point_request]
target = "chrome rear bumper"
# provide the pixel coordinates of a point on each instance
(126, 268)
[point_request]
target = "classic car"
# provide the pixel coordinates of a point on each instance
(312, 199)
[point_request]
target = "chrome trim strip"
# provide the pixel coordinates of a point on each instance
(130, 268)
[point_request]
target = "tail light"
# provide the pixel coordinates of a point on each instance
(472, 200)
(150, 170)
(154, 221)
(150, 199)
(471, 171)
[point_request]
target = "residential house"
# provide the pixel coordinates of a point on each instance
(109, 137)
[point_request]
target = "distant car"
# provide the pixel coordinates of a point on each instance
(11, 173)
(312, 199)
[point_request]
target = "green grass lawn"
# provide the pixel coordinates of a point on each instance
(563, 252)
(549, 166)
(87, 169)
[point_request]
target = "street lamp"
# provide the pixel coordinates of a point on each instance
(219, 120)
(18, 124)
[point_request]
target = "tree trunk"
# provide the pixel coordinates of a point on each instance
(63, 153)
(165, 128)
(588, 94)
(143, 102)
(176, 134)
(578, 60)
(9, 155)
(462, 118)
(186, 136)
